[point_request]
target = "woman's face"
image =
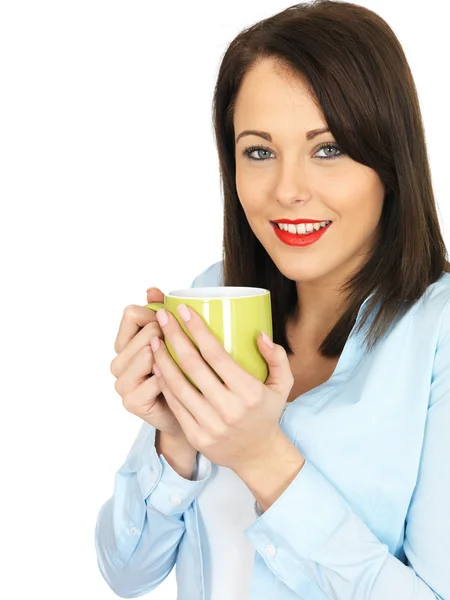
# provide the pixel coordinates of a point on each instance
(290, 177)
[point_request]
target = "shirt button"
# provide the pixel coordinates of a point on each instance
(134, 531)
(175, 499)
(153, 476)
(270, 550)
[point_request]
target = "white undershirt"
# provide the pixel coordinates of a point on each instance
(225, 508)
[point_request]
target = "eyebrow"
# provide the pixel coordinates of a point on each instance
(309, 134)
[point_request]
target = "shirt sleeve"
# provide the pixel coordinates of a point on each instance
(139, 528)
(311, 536)
(212, 276)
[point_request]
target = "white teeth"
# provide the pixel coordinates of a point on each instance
(303, 228)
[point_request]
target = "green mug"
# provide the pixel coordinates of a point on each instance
(235, 315)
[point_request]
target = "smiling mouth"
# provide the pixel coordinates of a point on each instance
(302, 228)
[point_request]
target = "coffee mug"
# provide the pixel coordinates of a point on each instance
(235, 315)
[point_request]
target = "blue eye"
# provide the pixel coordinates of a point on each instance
(249, 151)
(328, 146)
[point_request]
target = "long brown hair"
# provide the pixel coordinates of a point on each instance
(358, 74)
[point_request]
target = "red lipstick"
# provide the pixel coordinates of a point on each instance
(298, 239)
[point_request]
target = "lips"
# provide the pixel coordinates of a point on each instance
(299, 240)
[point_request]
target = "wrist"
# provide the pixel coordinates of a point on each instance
(177, 451)
(269, 477)
(177, 440)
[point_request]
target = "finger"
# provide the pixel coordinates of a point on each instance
(195, 403)
(232, 374)
(135, 345)
(280, 378)
(134, 318)
(154, 295)
(142, 397)
(138, 370)
(191, 361)
(187, 421)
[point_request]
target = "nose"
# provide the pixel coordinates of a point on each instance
(292, 185)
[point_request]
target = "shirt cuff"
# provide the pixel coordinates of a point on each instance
(161, 486)
(299, 522)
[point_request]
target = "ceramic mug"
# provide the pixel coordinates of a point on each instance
(235, 315)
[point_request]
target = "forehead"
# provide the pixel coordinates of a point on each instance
(270, 93)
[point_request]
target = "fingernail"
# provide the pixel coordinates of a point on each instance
(183, 311)
(267, 339)
(162, 317)
(154, 343)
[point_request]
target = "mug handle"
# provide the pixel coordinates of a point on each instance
(154, 306)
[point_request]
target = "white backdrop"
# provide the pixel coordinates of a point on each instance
(106, 155)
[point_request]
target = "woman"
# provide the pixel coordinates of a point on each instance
(345, 494)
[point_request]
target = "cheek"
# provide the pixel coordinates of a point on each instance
(250, 194)
(370, 207)
(359, 220)
(359, 197)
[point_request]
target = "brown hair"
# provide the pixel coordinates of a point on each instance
(357, 71)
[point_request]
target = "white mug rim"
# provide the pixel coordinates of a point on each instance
(221, 292)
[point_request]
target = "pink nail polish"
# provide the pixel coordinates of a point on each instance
(267, 339)
(162, 317)
(184, 312)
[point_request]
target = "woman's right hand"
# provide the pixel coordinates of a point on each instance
(132, 367)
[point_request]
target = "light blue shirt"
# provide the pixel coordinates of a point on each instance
(367, 517)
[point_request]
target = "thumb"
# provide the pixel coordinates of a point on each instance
(154, 295)
(280, 378)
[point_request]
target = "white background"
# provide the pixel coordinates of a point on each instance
(106, 155)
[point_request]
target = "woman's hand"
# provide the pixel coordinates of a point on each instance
(236, 423)
(132, 367)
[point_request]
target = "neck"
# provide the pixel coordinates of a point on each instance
(321, 304)
(318, 310)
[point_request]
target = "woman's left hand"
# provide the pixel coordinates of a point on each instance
(236, 423)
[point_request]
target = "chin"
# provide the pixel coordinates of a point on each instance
(294, 273)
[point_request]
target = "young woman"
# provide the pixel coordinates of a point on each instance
(329, 480)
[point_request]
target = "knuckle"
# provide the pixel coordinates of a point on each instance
(152, 329)
(220, 430)
(129, 310)
(179, 386)
(254, 399)
(127, 402)
(212, 353)
(152, 320)
(230, 419)
(147, 353)
(203, 441)
(147, 359)
(118, 386)
(113, 367)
